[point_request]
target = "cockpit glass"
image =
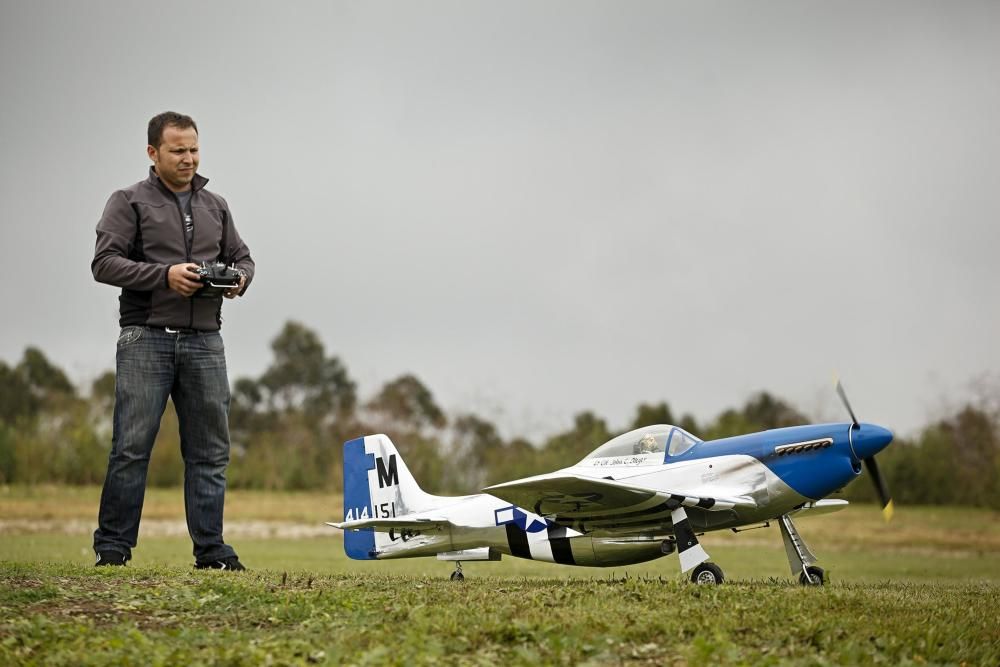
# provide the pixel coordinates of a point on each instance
(640, 443)
(680, 442)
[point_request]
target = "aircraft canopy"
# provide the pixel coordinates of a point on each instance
(647, 440)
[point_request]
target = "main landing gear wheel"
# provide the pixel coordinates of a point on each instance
(457, 574)
(812, 576)
(707, 573)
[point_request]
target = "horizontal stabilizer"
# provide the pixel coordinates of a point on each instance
(386, 524)
(569, 496)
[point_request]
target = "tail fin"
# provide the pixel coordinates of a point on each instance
(377, 484)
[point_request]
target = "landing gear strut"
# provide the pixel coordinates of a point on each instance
(689, 551)
(800, 559)
(457, 574)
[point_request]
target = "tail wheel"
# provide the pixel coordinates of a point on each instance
(813, 576)
(707, 573)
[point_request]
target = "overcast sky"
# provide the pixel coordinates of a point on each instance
(540, 207)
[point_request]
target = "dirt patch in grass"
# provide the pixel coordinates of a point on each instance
(62, 503)
(97, 612)
(102, 601)
(168, 528)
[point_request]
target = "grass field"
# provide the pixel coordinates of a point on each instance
(923, 589)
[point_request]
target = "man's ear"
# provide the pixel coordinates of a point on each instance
(151, 152)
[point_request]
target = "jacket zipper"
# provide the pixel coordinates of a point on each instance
(187, 246)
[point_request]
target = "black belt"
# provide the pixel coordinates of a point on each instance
(179, 330)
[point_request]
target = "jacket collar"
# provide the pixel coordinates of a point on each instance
(197, 183)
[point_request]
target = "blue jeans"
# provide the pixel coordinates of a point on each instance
(153, 365)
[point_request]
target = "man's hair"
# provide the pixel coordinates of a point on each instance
(154, 134)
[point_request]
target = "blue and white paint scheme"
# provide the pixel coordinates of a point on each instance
(640, 496)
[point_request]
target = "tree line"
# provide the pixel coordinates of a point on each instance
(288, 426)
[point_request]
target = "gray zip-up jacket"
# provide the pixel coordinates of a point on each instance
(141, 235)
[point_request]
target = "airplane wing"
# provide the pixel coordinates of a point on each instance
(825, 506)
(576, 500)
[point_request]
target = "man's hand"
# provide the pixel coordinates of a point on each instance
(235, 291)
(183, 278)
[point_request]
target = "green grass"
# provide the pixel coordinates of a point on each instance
(64, 614)
(923, 589)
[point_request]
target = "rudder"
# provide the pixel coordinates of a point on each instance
(358, 544)
(377, 485)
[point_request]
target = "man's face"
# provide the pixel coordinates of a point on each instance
(176, 159)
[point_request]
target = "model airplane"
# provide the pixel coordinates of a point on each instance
(640, 496)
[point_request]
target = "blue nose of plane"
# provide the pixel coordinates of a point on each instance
(870, 439)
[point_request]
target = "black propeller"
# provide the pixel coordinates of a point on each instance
(847, 404)
(870, 464)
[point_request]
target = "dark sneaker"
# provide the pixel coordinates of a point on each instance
(110, 558)
(231, 563)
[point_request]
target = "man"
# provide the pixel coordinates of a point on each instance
(151, 240)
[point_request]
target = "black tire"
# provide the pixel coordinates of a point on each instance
(707, 573)
(457, 576)
(817, 577)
